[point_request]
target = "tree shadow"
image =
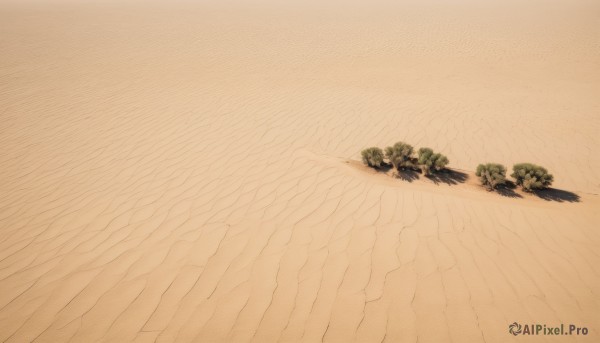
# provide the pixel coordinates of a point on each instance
(407, 175)
(558, 195)
(508, 190)
(449, 177)
(384, 168)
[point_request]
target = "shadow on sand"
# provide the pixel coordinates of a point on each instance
(455, 177)
(508, 190)
(407, 175)
(385, 167)
(402, 174)
(558, 195)
(549, 194)
(449, 177)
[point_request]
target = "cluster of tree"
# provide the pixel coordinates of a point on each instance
(529, 176)
(402, 156)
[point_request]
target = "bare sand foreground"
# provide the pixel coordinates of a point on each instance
(184, 171)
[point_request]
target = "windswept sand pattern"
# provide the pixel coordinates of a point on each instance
(177, 172)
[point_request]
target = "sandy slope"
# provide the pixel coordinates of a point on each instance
(178, 171)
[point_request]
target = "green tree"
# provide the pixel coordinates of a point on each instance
(429, 161)
(531, 176)
(399, 155)
(373, 157)
(491, 175)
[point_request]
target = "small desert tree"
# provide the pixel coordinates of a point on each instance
(399, 155)
(531, 177)
(429, 161)
(491, 175)
(373, 157)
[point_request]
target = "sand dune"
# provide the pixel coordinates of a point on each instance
(187, 171)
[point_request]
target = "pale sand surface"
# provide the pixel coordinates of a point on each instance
(184, 171)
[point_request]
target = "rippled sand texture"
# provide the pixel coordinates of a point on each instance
(177, 172)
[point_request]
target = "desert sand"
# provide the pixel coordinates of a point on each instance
(187, 171)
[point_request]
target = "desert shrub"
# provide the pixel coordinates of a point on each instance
(399, 155)
(531, 177)
(491, 175)
(373, 157)
(429, 161)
